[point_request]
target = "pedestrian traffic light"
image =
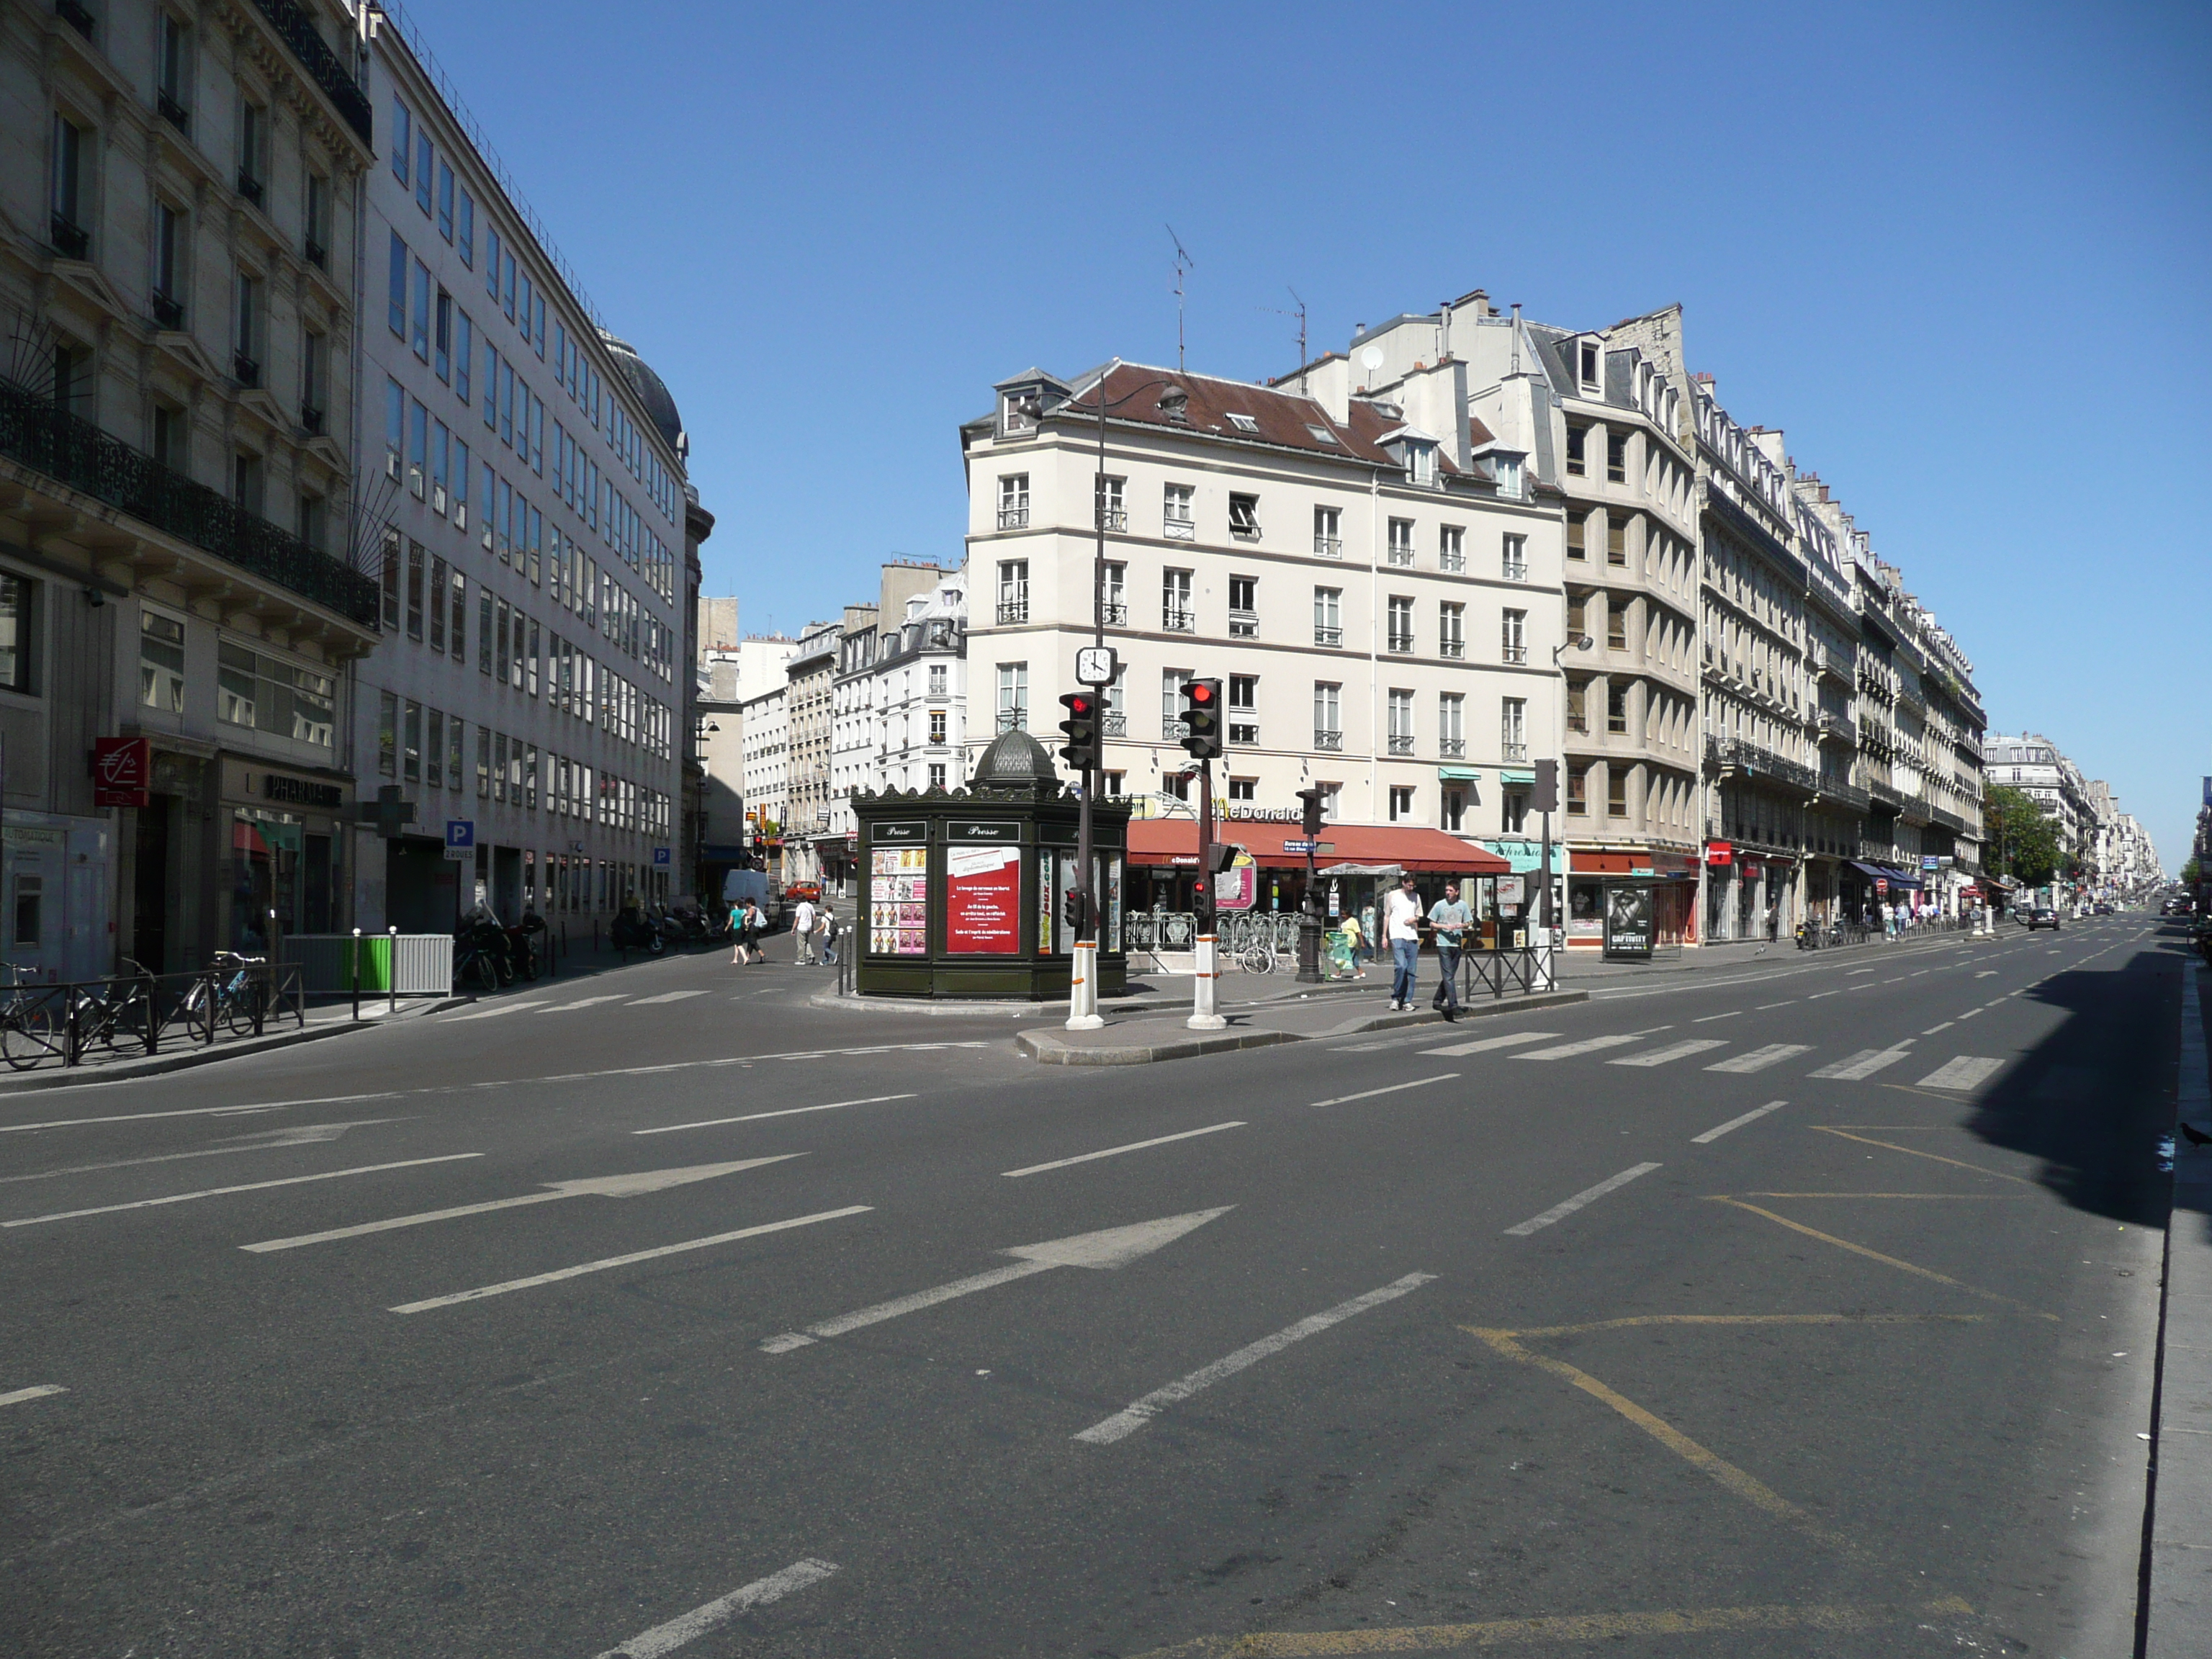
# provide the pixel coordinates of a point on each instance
(1220, 856)
(1081, 750)
(1201, 718)
(1310, 799)
(1544, 796)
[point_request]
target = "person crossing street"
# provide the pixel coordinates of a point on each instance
(802, 930)
(1402, 919)
(1449, 920)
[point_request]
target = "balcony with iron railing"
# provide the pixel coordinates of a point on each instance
(70, 240)
(1244, 731)
(1328, 740)
(1115, 519)
(1451, 748)
(1452, 564)
(318, 255)
(246, 370)
(1328, 547)
(1114, 725)
(1516, 570)
(76, 453)
(1013, 608)
(1884, 794)
(1014, 518)
(1402, 743)
(291, 21)
(250, 187)
(1173, 730)
(1015, 719)
(1328, 638)
(1754, 759)
(76, 15)
(1455, 649)
(1950, 820)
(168, 313)
(1399, 555)
(1515, 754)
(311, 420)
(1115, 614)
(1402, 644)
(1514, 654)
(173, 113)
(1833, 726)
(1843, 791)
(1175, 621)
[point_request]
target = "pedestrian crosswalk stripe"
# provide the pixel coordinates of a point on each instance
(1588, 1045)
(1482, 1044)
(666, 996)
(1863, 1064)
(1965, 1072)
(1672, 1051)
(1758, 1060)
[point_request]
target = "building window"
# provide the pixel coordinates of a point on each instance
(939, 679)
(387, 734)
(936, 726)
(1513, 812)
(1451, 725)
(1455, 811)
(1014, 590)
(1114, 604)
(434, 751)
(1328, 616)
(1401, 722)
(1245, 708)
(444, 201)
(264, 694)
(1578, 791)
(1243, 789)
(1013, 696)
(1014, 501)
(1401, 623)
(1451, 548)
(937, 778)
(1329, 539)
(1590, 367)
(1514, 629)
(1401, 803)
(1616, 622)
(1616, 456)
(172, 73)
(1513, 730)
(1244, 606)
(1175, 615)
(1616, 792)
(422, 153)
(1109, 784)
(1514, 566)
(248, 365)
(161, 662)
(1576, 547)
(171, 244)
(1328, 717)
(1616, 540)
(420, 332)
(1578, 706)
(395, 305)
(1577, 444)
(1616, 706)
(414, 555)
(1176, 522)
(1451, 630)
(1112, 514)
(1244, 517)
(252, 151)
(1401, 551)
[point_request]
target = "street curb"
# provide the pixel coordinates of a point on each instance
(1051, 1047)
(1151, 1002)
(184, 1059)
(1048, 1047)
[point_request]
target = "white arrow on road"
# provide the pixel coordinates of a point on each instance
(620, 1186)
(1116, 1247)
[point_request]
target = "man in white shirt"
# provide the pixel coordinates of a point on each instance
(802, 929)
(1401, 917)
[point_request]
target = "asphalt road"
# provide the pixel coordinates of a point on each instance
(1805, 1308)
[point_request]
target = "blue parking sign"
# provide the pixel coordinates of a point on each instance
(660, 856)
(460, 832)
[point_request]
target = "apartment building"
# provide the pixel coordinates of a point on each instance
(178, 590)
(921, 691)
(535, 537)
(859, 729)
(1375, 581)
(810, 719)
(733, 672)
(2039, 769)
(764, 725)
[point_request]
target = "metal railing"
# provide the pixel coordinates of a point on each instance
(1402, 743)
(1330, 547)
(1403, 644)
(1013, 518)
(1245, 733)
(1515, 752)
(76, 15)
(1116, 518)
(168, 313)
(1013, 610)
(1329, 740)
(322, 65)
(77, 453)
(1507, 970)
(70, 240)
(1401, 557)
(1514, 653)
(1455, 649)
(1116, 726)
(1452, 748)
(1328, 638)
(1173, 621)
(173, 113)
(1115, 613)
(63, 1022)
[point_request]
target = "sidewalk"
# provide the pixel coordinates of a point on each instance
(179, 1050)
(2181, 1534)
(1737, 953)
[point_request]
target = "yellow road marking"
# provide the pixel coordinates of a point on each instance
(1635, 1319)
(1558, 1627)
(1936, 1157)
(1877, 1255)
(1746, 1486)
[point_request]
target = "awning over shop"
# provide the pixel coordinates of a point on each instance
(1460, 774)
(1516, 774)
(1894, 878)
(1166, 841)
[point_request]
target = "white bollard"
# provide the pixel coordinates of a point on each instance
(1202, 1015)
(1083, 988)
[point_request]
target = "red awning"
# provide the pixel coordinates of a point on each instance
(1173, 841)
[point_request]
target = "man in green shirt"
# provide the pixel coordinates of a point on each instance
(1449, 919)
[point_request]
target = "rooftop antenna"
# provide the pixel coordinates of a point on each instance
(1183, 262)
(1300, 313)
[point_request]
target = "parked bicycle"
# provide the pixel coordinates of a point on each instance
(1259, 956)
(235, 992)
(117, 1013)
(28, 1022)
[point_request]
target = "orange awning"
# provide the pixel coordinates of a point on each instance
(1428, 852)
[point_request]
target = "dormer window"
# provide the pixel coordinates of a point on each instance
(1506, 469)
(1243, 422)
(1322, 433)
(1592, 366)
(1020, 411)
(1421, 463)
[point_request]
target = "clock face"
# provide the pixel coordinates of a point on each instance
(1094, 666)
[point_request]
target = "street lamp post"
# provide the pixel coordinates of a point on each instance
(1548, 920)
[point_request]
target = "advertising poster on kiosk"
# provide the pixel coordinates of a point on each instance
(1627, 919)
(898, 901)
(983, 900)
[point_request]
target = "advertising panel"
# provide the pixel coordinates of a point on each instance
(898, 901)
(983, 900)
(1628, 920)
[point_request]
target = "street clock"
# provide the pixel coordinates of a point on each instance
(1095, 666)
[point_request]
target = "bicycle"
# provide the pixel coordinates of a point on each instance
(116, 1018)
(1258, 958)
(27, 1023)
(229, 991)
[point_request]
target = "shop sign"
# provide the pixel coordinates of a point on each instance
(298, 791)
(121, 770)
(1244, 813)
(1720, 852)
(884, 833)
(967, 831)
(983, 899)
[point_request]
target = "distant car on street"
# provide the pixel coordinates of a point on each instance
(2043, 917)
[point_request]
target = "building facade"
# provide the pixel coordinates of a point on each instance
(179, 575)
(921, 691)
(808, 719)
(860, 728)
(534, 542)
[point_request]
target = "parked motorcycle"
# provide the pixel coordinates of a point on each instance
(632, 931)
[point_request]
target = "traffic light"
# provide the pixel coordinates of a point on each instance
(1310, 799)
(1201, 718)
(1071, 908)
(1081, 750)
(1544, 796)
(1219, 856)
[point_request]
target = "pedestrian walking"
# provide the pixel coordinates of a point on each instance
(802, 930)
(1401, 916)
(739, 928)
(1349, 940)
(827, 927)
(755, 928)
(1449, 920)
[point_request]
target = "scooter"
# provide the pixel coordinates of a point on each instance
(630, 931)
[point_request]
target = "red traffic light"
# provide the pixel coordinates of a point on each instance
(1078, 706)
(1200, 690)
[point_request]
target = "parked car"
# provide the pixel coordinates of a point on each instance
(2043, 917)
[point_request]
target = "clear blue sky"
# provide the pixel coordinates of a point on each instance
(1957, 253)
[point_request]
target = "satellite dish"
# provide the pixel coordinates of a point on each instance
(1371, 359)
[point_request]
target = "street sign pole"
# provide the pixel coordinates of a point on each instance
(1083, 1013)
(1204, 1016)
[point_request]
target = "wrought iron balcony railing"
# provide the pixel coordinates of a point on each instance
(75, 453)
(1179, 622)
(250, 187)
(1515, 653)
(1014, 610)
(1115, 613)
(1013, 518)
(1330, 547)
(322, 65)
(1452, 748)
(1401, 557)
(246, 370)
(318, 255)
(173, 113)
(1331, 740)
(1013, 720)
(1244, 731)
(1116, 519)
(1403, 644)
(1517, 753)
(72, 241)
(168, 312)
(1516, 570)
(1452, 564)
(1455, 649)
(311, 420)
(1331, 638)
(1402, 743)
(76, 15)
(1115, 726)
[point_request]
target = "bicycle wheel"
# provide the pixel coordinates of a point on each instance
(26, 1034)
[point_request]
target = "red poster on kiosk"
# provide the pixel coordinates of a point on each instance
(983, 900)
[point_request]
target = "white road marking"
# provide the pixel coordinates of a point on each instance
(1759, 1059)
(265, 1141)
(1709, 1018)
(666, 1639)
(665, 996)
(37, 1391)
(583, 1002)
(1972, 1013)
(493, 1013)
(607, 1262)
(1787, 1003)
(1862, 970)
(1865, 1064)
(755, 1117)
(204, 1111)
(1483, 1045)
(622, 1186)
(1561, 1211)
(1945, 1026)
(1589, 1045)
(1369, 1094)
(1966, 1072)
(248, 1187)
(1115, 1151)
(1672, 1051)
(1138, 1412)
(1114, 1247)
(1720, 1129)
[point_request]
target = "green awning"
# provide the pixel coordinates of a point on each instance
(1459, 774)
(1525, 856)
(1516, 774)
